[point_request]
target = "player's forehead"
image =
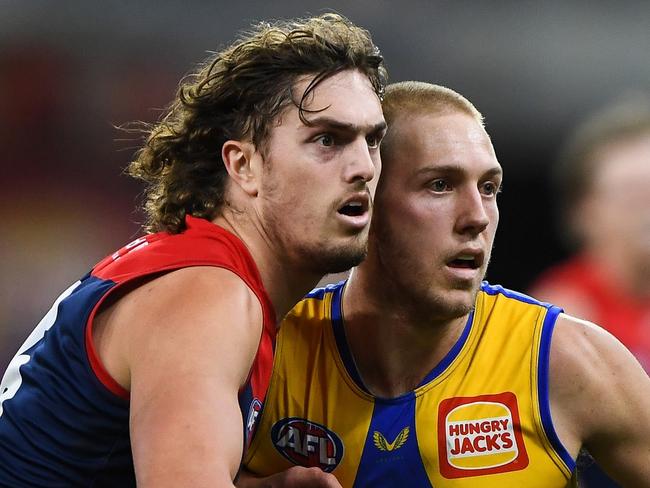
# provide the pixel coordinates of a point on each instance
(440, 130)
(344, 99)
(455, 142)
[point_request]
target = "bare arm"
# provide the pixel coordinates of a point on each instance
(600, 399)
(184, 344)
(295, 477)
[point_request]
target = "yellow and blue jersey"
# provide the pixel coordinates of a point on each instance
(480, 418)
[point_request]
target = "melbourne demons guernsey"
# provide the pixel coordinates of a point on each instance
(64, 421)
(481, 418)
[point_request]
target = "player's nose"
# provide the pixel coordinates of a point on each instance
(361, 165)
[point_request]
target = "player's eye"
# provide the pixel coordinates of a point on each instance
(326, 140)
(373, 141)
(491, 188)
(439, 185)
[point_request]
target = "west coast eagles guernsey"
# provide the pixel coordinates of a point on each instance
(480, 419)
(64, 422)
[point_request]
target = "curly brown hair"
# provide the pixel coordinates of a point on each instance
(236, 94)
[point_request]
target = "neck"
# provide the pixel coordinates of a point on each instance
(394, 348)
(285, 282)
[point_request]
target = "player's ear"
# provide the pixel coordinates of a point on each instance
(241, 161)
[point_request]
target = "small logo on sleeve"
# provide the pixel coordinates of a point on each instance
(254, 411)
(307, 443)
(480, 435)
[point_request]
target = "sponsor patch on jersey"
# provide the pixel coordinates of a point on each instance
(251, 422)
(139, 243)
(307, 443)
(480, 435)
(382, 443)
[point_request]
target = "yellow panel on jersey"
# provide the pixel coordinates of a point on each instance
(480, 419)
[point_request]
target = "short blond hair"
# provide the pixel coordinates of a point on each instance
(420, 98)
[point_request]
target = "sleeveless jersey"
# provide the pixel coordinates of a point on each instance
(480, 419)
(64, 421)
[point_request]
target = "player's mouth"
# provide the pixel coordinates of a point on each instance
(355, 210)
(467, 262)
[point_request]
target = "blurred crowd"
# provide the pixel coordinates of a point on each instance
(603, 187)
(65, 201)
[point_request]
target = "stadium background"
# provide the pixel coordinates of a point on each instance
(72, 70)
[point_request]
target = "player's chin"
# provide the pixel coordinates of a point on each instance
(459, 306)
(340, 257)
(463, 297)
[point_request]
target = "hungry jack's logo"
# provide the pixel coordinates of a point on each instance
(480, 435)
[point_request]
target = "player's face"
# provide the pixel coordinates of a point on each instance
(436, 211)
(319, 180)
(616, 215)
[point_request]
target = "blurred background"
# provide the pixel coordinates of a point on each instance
(70, 71)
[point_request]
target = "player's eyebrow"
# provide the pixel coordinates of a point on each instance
(334, 124)
(456, 169)
(498, 171)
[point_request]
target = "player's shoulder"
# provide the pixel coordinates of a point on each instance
(322, 292)
(201, 243)
(580, 350)
(579, 344)
(505, 297)
(320, 306)
(185, 301)
(205, 287)
(591, 373)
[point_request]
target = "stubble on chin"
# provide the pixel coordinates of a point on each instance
(444, 305)
(301, 248)
(321, 259)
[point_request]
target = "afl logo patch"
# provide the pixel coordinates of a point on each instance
(480, 435)
(307, 443)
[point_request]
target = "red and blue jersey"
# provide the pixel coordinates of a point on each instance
(63, 420)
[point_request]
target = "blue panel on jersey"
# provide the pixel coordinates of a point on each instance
(543, 385)
(346, 354)
(319, 293)
(391, 456)
(339, 335)
(451, 355)
(498, 289)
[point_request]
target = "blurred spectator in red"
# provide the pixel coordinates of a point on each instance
(603, 178)
(604, 183)
(60, 171)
